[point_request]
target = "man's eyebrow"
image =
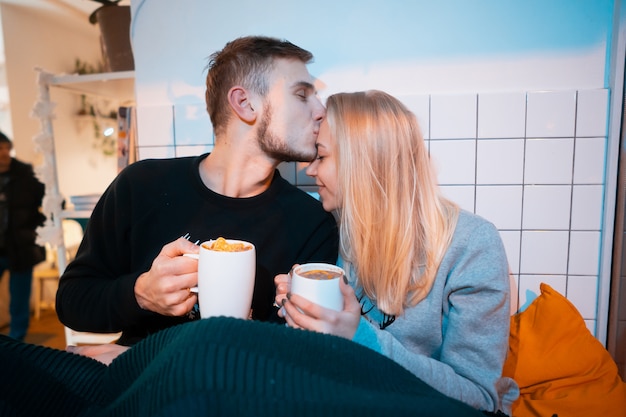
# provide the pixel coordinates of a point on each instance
(305, 84)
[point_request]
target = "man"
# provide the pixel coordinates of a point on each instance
(20, 201)
(264, 110)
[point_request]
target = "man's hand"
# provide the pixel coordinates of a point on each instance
(164, 289)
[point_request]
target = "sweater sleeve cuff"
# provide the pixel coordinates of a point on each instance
(366, 335)
(128, 308)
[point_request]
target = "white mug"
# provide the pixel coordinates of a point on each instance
(225, 280)
(319, 283)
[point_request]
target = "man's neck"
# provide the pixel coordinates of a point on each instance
(237, 174)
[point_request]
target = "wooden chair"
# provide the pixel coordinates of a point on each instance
(43, 273)
(46, 273)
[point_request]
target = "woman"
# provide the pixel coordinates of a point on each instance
(429, 283)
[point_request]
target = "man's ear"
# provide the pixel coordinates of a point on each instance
(241, 102)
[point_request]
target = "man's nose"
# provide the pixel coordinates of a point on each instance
(320, 111)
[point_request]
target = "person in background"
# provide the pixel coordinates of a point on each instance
(20, 215)
(129, 274)
(428, 282)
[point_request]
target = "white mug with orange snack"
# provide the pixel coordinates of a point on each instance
(226, 274)
(319, 283)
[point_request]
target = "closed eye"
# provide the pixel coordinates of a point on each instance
(304, 90)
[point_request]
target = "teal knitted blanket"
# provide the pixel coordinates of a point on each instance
(218, 367)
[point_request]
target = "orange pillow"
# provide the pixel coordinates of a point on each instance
(559, 366)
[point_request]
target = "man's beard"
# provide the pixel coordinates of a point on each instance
(276, 148)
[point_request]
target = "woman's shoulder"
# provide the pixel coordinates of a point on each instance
(477, 245)
(470, 223)
(475, 234)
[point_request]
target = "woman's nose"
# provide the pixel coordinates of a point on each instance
(311, 170)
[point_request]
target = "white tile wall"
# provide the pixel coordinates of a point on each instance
(495, 123)
(548, 161)
(455, 161)
(420, 106)
(579, 290)
(501, 204)
(591, 114)
(453, 116)
(550, 114)
(530, 162)
(584, 255)
(587, 203)
(500, 161)
(189, 119)
(539, 177)
(160, 130)
(149, 152)
(589, 160)
(544, 252)
(463, 195)
(192, 150)
(546, 207)
(511, 240)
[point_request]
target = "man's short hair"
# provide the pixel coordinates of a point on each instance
(245, 61)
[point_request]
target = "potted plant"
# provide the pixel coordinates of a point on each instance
(93, 19)
(114, 23)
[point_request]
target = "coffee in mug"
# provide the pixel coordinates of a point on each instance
(320, 274)
(319, 283)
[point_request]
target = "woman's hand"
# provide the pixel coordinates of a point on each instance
(283, 286)
(303, 314)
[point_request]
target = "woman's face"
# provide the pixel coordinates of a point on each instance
(324, 168)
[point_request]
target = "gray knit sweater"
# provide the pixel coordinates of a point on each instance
(456, 338)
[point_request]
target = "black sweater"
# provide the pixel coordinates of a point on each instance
(153, 202)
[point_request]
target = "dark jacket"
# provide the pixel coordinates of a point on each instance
(24, 194)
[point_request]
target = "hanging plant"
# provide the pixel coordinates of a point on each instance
(83, 67)
(103, 121)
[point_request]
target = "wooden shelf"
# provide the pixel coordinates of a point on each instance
(75, 214)
(119, 85)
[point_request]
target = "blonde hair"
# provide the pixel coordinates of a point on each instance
(395, 226)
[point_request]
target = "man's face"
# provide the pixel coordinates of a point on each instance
(5, 155)
(292, 113)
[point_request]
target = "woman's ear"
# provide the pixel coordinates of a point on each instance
(241, 103)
